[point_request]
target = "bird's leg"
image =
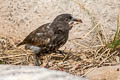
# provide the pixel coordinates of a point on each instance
(37, 60)
(61, 52)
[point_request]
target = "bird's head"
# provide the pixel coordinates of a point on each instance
(67, 17)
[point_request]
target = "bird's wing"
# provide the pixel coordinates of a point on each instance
(60, 37)
(39, 37)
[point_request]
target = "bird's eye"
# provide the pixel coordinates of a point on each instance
(70, 17)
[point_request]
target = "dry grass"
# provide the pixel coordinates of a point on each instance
(75, 62)
(95, 54)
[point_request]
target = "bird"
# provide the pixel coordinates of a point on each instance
(50, 37)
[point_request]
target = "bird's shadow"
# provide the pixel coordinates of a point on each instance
(56, 55)
(75, 56)
(63, 55)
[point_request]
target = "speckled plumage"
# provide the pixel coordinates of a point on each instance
(50, 36)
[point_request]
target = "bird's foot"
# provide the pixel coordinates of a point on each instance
(37, 64)
(37, 60)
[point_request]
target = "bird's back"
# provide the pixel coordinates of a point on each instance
(48, 36)
(37, 37)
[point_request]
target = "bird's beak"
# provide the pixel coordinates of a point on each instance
(77, 20)
(74, 22)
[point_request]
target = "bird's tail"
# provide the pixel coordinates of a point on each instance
(20, 44)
